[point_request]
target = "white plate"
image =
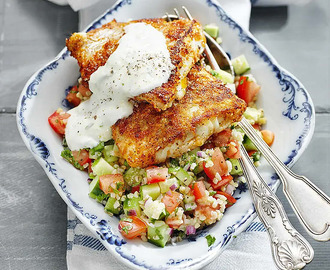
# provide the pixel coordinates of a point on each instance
(287, 105)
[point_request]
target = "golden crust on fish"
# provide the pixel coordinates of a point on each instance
(184, 39)
(149, 137)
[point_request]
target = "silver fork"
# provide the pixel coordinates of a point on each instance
(311, 205)
(289, 249)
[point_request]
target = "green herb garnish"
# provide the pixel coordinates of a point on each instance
(210, 240)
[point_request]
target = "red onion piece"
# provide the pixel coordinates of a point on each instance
(190, 230)
(171, 231)
(169, 193)
(173, 187)
(132, 212)
(200, 154)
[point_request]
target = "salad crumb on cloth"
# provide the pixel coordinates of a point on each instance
(155, 127)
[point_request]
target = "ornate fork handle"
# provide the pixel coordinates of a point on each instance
(289, 249)
(310, 204)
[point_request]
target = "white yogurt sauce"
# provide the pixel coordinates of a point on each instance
(140, 63)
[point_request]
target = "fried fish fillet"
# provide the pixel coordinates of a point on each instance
(149, 137)
(184, 39)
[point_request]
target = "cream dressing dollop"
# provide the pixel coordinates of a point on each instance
(140, 63)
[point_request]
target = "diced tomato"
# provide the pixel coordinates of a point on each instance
(222, 138)
(256, 126)
(224, 181)
(198, 189)
(219, 164)
(156, 174)
(250, 153)
(206, 211)
(112, 183)
(174, 221)
(268, 136)
(132, 227)
(233, 150)
(58, 121)
(81, 156)
(90, 170)
(230, 199)
(84, 91)
(172, 200)
(247, 89)
(73, 99)
(136, 188)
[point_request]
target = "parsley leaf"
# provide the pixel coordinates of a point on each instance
(210, 240)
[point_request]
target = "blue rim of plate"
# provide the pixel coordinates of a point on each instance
(290, 86)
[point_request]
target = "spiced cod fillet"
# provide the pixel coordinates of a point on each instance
(184, 39)
(149, 137)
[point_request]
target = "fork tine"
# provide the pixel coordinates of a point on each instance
(176, 12)
(212, 61)
(168, 17)
(187, 13)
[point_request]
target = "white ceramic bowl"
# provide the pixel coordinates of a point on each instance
(287, 105)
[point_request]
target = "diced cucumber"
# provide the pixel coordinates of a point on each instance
(212, 29)
(113, 206)
(199, 168)
(173, 170)
(240, 64)
(101, 167)
(132, 204)
(134, 176)
(159, 233)
(95, 152)
(94, 187)
(153, 190)
(109, 153)
(94, 190)
(165, 185)
(254, 115)
(184, 177)
(236, 167)
(189, 198)
(248, 144)
(111, 159)
(224, 76)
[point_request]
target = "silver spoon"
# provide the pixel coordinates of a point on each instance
(311, 205)
(289, 249)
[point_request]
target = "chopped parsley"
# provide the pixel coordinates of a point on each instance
(212, 192)
(67, 154)
(210, 240)
(127, 219)
(127, 228)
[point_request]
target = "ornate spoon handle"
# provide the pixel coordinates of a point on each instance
(311, 205)
(289, 249)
